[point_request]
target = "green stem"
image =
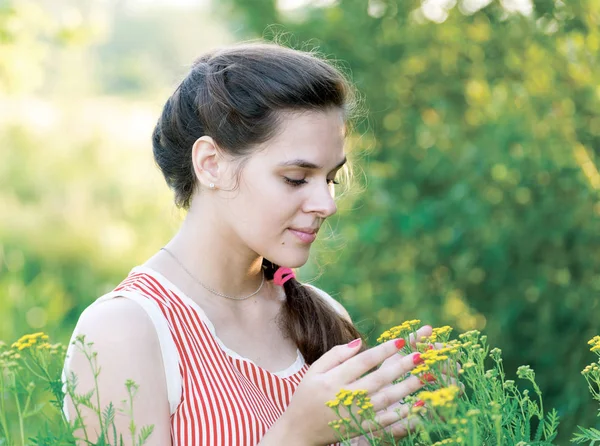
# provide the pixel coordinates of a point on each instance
(96, 372)
(20, 416)
(27, 401)
(3, 408)
(71, 393)
(33, 372)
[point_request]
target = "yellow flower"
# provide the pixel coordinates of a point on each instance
(420, 369)
(595, 343)
(29, 340)
(399, 331)
(441, 397)
(348, 398)
(432, 357)
(333, 403)
(440, 334)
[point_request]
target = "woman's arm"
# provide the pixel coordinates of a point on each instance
(127, 348)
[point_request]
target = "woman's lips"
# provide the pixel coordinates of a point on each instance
(305, 237)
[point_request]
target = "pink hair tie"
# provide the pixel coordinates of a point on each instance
(282, 275)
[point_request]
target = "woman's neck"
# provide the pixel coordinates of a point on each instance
(215, 257)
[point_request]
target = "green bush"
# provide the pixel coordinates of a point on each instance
(482, 206)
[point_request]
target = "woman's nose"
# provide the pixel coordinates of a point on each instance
(322, 202)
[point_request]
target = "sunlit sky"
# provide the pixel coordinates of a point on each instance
(433, 9)
(282, 4)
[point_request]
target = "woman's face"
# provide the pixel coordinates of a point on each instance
(286, 188)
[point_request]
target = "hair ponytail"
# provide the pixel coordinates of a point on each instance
(311, 322)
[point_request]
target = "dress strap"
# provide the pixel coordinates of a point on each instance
(168, 349)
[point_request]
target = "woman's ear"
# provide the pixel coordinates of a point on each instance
(205, 158)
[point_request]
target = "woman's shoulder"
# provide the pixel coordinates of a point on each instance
(337, 306)
(118, 324)
(117, 313)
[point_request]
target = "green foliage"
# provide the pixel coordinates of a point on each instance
(31, 34)
(472, 406)
(29, 368)
(482, 206)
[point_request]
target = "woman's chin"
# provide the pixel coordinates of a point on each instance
(294, 259)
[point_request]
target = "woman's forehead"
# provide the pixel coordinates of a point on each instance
(318, 132)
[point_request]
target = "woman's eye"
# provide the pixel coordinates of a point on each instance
(295, 183)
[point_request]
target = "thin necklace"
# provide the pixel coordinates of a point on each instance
(210, 289)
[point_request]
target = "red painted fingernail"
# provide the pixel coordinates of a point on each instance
(428, 377)
(430, 347)
(399, 343)
(354, 343)
(419, 403)
(417, 359)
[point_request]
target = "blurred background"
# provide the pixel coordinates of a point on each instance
(477, 196)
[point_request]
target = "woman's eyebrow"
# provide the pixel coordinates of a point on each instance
(308, 165)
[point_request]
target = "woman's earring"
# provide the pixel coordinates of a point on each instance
(211, 185)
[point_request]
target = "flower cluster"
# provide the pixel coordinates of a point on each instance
(30, 340)
(440, 334)
(32, 365)
(595, 343)
(465, 401)
(399, 331)
(434, 356)
(443, 397)
(8, 359)
(591, 368)
(349, 398)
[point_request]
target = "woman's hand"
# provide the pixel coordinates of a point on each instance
(306, 418)
(394, 394)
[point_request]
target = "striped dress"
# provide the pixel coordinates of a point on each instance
(216, 397)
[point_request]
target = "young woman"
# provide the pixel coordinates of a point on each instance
(226, 346)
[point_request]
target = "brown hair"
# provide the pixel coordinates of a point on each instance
(236, 96)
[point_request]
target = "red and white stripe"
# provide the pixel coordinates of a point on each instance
(225, 400)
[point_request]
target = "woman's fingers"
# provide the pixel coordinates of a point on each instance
(401, 428)
(355, 367)
(389, 396)
(336, 356)
(397, 421)
(385, 375)
(424, 332)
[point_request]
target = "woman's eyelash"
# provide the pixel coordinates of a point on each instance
(294, 183)
(297, 183)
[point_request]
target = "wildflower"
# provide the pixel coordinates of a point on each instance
(440, 334)
(595, 343)
(333, 403)
(423, 368)
(29, 340)
(593, 367)
(441, 397)
(525, 372)
(336, 424)
(491, 373)
(348, 398)
(471, 335)
(399, 331)
(495, 354)
(432, 357)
